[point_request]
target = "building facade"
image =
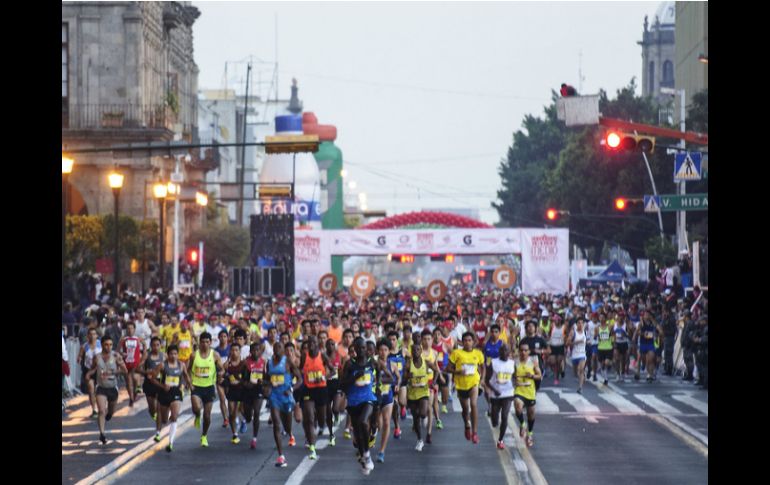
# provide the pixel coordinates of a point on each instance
(658, 53)
(692, 34)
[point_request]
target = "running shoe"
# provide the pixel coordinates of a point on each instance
(108, 416)
(366, 471)
(253, 445)
(313, 455)
(397, 434)
(346, 434)
(468, 434)
(369, 463)
(403, 413)
(444, 409)
(439, 424)
(475, 438)
(243, 428)
(381, 457)
(606, 382)
(419, 446)
(95, 414)
(500, 445)
(332, 441)
(225, 423)
(157, 437)
(649, 379)
(169, 448)
(428, 439)
(556, 382)
(198, 422)
(235, 439)
(522, 432)
(530, 440)
(292, 441)
(580, 390)
(103, 439)
(281, 462)
(594, 378)
(204, 441)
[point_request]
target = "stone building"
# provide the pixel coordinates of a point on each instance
(692, 49)
(129, 76)
(658, 53)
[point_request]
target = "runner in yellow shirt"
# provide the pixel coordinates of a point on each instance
(467, 365)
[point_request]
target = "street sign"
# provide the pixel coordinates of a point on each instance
(687, 166)
(673, 203)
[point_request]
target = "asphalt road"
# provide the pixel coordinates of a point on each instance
(633, 432)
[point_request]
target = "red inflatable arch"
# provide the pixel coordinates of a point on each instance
(426, 219)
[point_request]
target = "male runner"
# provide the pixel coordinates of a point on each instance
(223, 349)
(315, 372)
(577, 340)
(106, 365)
(418, 391)
(647, 332)
(491, 351)
(467, 365)
(621, 336)
(333, 387)
(86, 358)
(150, 362)
(385, 396)
(132, 350)
(206, 369)
(556, 348)
(253, 395)
(281, 370)
(167, 377)
(537, 346)
(430, 356)
(499, 382)
(396, 362)
(603, 334)
(233, 382)
(527, 372)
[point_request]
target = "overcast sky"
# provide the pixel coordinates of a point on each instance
(425, 96)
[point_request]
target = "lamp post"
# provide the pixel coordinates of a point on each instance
(116, 183)
(160, 191)
(66, 170)
(202, 199)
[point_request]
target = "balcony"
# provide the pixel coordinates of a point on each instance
(118, 117)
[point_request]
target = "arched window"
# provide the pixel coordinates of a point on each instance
(668, 73)
(651, 78)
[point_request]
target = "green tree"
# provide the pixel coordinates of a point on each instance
(83, 242)
(663, 253)
(229, 244)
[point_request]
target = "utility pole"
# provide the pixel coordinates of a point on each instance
(243, 148)
(682, 215)
(177, 179)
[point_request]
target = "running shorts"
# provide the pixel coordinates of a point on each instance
(249, 395)
(527, 402)
(234, 394)
(166, 398)
(644, 348)
(500, 400)
(130, 367)
(205, 394)
(416, 402)
(622, 348)
(557, 350)
(605, 355)
(444, 384)
(385, 400)
(467, 393)
(284, 404)
(111, 393)
(577, 360)
(150, 389)
(319, 395)
(333, 388)
(299, 394)
(355, 411)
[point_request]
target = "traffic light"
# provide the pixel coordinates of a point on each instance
(551, 214)
(192, 256)
(449, 258)
(625, 203)
(482, 273)
(618, 140)
(620, 204)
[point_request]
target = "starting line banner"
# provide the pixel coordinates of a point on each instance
(544, 252)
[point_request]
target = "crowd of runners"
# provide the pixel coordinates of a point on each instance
(330, 362)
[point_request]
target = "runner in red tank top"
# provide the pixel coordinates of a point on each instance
(480, 330)
(132, 350)
(252, 388)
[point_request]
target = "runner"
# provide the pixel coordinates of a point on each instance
(537, 346)
(132, 350)
(527, 373)
(499, 382)
(223, 349)
(418, 392)
(592, 350)
(253, 394)
(385, 393)
(491, 351)
(621, 337)
(333, 386)
(315, 371)
(467, 365)
(556, 348)
(397, 362)
(86, 358)
(647, 333)
(442, 359)
(150, 362)
(430, 356)
(577, 340)
(106, 366)
(206, 369)
(281, 370)
(233, 382)
(170, 395)
(604, 334)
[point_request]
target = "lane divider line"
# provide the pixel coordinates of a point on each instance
(689, 440)
(535, 474)
(507, 461)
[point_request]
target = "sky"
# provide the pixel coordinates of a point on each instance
(425, 96)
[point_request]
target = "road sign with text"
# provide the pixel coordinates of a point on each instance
(673, 203)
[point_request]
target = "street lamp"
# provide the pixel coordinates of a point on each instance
(160, 191)
(116, 183)
(66, 170)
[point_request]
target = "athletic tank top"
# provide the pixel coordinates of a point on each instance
(579, 340)
(525, 386)
(429, 356)
(234, 374)
(204, 370)
(335, 365)
(171, 376)
(481, 330)
(313, 372)
(223, 353)
(502, 377)
(396, 363)
(280, 377)
(132, 349)
(106, 371)
(621, 336)
(362, 389)
(557, 336)
(255, 369)
(90, 353)
(153, 362)
(492, 351)
(604, 338)
(647, 334)
(417, 387)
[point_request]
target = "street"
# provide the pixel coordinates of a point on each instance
(632, 432)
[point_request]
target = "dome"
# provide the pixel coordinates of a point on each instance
(666, 13)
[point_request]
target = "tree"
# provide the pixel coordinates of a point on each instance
(83, 243)
(663, 253)
(229, 244)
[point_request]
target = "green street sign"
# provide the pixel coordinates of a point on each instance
(687, 202)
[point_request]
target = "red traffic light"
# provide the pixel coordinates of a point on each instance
(551, 214)
(613, 139)
(482, 273)
(449, 258)
(192, 255)
(620, 204)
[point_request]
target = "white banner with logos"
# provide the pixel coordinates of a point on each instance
(545, 261)
(312, 259)
(429, 241)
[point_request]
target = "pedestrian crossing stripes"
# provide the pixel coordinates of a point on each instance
(581, 404)
(622, 404)
(692, 402)
(545, 405)
(606, 401)
(657, 404)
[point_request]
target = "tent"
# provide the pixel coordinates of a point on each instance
(614, 273)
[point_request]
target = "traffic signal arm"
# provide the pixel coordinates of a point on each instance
(628, 126)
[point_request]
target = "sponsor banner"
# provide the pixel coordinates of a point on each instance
(303, 210)
(545, 261)
(504, 277)
(363, 285)
(436, 290)
(312, 259)
(327, 284)
(432, 241)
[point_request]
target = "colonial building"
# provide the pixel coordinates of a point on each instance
(692, 48)
(658, 53)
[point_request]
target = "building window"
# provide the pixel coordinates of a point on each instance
(65, 105)
(668, 73)
(651, 78)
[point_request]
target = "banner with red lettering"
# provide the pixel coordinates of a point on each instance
(545, 261)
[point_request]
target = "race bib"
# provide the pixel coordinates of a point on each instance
(316, 377)
(184, 344)
(469, 369)
(420, 381)
(503, 377)
(649, 334)
(234, 379)
(384, 388)
(277, 380)
(202, 372)
(172, 381)
(440, 357)
(255, 377)
(364, 380)
(130, 357)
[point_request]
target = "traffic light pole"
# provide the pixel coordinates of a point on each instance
(682, 215)
(655, 193)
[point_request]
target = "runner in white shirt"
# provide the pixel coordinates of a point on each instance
(577, 339)
(145, 328)
(499, 384)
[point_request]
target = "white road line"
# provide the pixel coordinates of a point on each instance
(112, 431)
(657, 404)
(622, 404)
(544, 404)
(692, 402)
(700, 436)
(667, 422)
(307, 464)
(581, 404)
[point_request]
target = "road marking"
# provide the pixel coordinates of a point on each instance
(456, 406)
(613, 387)
(307, 464)
(511, 476)
(689, 440)
(545, 405)
(590, 418)
(692, 402)
(658, 405)
(105, 451)
(622, 404)
(535, 474)
(581, 404)
(697, 434)
(112, 431)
